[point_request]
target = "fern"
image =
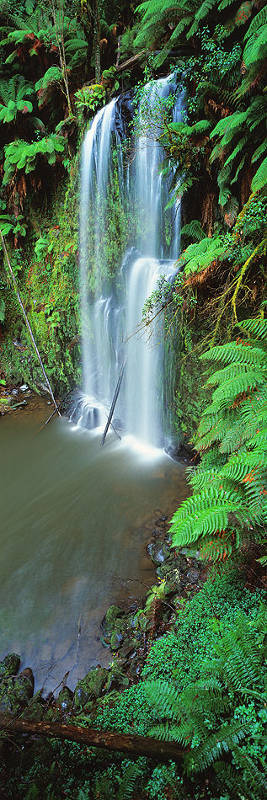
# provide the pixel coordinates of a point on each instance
(204, 513)
(216, 745)
(132, 774)
(193, 230)
(259, 20)
(260, 179)
(202, 12)
(51, 76)
(235, 352)
(256, 326)
(200, 255)
(20, 155)
(256, 48)
(13, 94)
(233, 427)
(157, 16)
(203, 719)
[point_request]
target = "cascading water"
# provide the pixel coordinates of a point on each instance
(111, 305)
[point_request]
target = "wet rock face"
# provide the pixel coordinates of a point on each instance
(124, 114)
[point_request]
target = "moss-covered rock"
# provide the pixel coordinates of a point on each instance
(65, 699)
(90, 687)
(9, 666)
(16, 691)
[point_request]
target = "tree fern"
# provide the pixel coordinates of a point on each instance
(237, 352)
(157, 16)
(13, 95)
(205, 513)
(21, 155)
(202, 12)
(258, 21)
(260, 179)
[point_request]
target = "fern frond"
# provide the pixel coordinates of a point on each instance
(219, 743)
(132, 774)
(163, 697)
(242, 354)
(240, 465)
(258, 327)
(204, 513)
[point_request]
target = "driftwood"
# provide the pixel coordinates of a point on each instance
(113, 404)
(28, 324)
(107, 740)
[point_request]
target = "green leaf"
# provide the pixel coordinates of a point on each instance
(260, 179)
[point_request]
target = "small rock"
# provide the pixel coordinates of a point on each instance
(111, 617)
(90, 687)
(192, 575)
(157, 532)
(156, 553)
(24, 387)
(116, 640)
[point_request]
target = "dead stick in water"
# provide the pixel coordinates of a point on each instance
(28, 324)
(55, 410)
(113, 404)
(134, 745)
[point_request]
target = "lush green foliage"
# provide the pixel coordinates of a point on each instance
(229, 500)
(201, 683)
(20, 155)
(222, 713)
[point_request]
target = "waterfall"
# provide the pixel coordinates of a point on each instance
(112, 300)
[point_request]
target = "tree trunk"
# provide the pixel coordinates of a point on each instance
(97, 43)
(108, 740)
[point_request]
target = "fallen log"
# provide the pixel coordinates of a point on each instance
(131, 61)
(134, 745)
(113, 404)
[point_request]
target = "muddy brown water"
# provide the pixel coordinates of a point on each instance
(75, 521)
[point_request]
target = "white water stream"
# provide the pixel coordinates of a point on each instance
(111, 308)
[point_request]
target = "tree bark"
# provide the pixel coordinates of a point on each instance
(97, 42)
(108, 740)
